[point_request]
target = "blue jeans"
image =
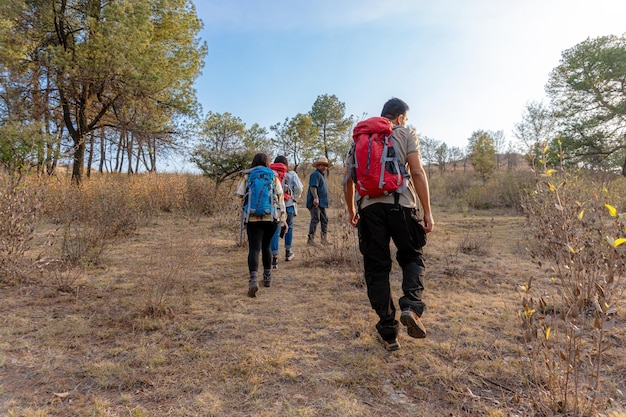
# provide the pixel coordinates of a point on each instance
(288, 235)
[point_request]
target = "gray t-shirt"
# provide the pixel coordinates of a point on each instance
(405, 142)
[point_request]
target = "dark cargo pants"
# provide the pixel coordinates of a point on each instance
(378, 224)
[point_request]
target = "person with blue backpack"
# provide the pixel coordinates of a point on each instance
(387, 196)
(263, 211)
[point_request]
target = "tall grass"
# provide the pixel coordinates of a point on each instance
(89, 218)
(504, 190)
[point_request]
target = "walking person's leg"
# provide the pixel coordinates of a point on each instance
(324, 225)
(289, 235)
(374, 246)
(255, 241)
(315, 219)
(269, 228)
(274, 244)
(409, 238)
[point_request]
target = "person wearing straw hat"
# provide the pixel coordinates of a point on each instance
(317, 200)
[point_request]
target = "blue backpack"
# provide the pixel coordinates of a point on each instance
(261, 198)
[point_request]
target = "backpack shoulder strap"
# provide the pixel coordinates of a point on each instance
(351, 159)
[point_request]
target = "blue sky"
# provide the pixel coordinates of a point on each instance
(461, 65)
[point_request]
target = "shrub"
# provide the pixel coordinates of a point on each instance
(565, 331)
(19, 206)
(456, 184)
(504, 190)
(105, 207)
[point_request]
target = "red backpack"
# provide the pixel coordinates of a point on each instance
(281, 171)
(376, 169)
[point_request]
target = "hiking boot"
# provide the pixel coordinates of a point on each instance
(253, 287)
(325, 241)
(311, 241)
(289, 255)
(275, 262)
(267, 279)
(389, 345)
(414, 326)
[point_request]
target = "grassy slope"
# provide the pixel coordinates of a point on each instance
(163, 328)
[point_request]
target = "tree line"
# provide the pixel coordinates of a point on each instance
(108, 79)
(225, 146)
(109, 87)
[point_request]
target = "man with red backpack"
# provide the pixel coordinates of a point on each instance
(385, 167)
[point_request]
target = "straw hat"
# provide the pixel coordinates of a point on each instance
(321, 161)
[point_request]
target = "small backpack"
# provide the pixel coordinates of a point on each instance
(286, 188)
(376, 170)
(261, 198)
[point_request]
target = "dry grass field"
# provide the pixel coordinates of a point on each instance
(162, 327)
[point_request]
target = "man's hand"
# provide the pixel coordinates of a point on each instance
(429, 225)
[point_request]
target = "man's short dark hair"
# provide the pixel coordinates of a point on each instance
(393, 108)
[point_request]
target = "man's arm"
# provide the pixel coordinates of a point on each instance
(420, 181)
(316, 199)
(348, 195)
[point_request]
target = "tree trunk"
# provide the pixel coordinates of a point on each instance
(624, 168)
(129, 151)
(119, 155)
(102, 150)
(137, 159)
(152, 146)
(78, 159)
(90, 158)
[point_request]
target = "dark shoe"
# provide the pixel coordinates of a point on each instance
(253, 287)
(289, 255)
(389, 346)
(414, 326)
(267, 279)
(275, 262)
